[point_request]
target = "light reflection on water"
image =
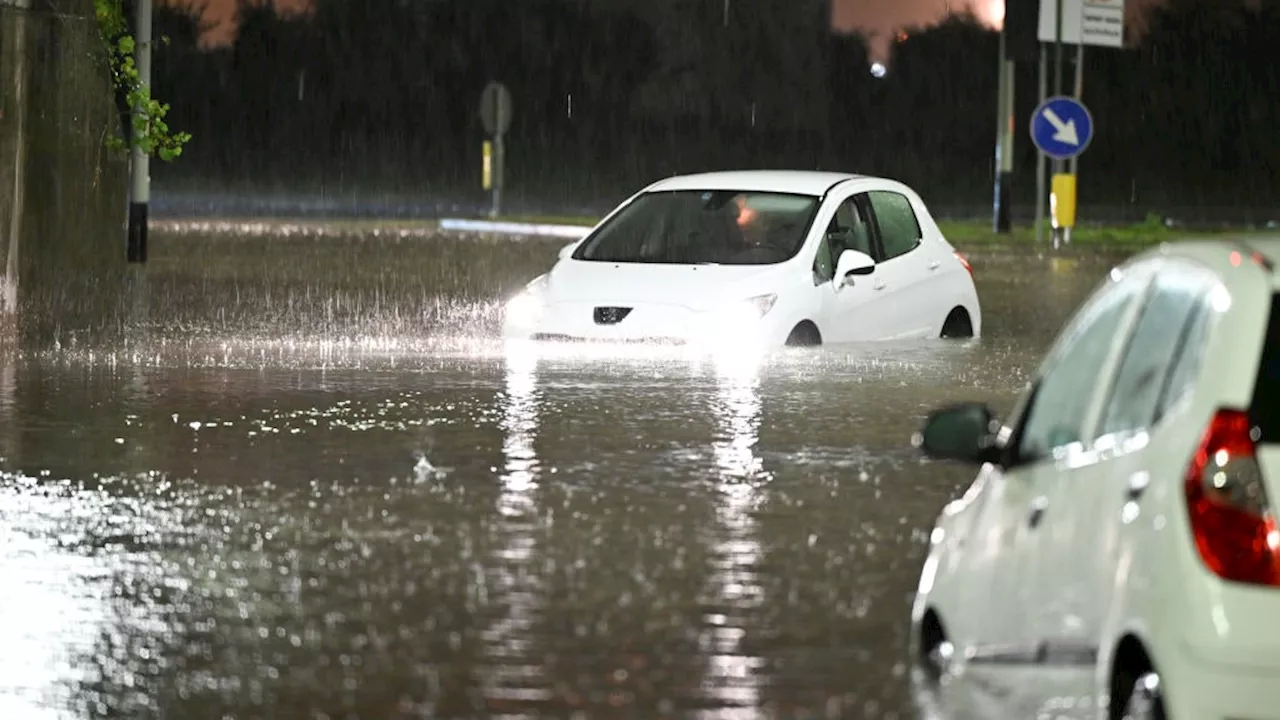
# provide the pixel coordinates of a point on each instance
(732, 679)
(520, 423)
(51, 601)
(512, 678)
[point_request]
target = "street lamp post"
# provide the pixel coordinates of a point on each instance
(140, 166)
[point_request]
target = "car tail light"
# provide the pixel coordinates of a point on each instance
(1231, 516)
(965, 262)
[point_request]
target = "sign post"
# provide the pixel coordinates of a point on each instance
(1001, 215)
(495, 114)
(1061, 128)
(1099, 23)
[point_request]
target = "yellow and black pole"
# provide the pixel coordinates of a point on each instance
(486, 168)
(495, 114)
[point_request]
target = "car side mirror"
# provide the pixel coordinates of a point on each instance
(853, 263)
(965, 432)
(567, 250)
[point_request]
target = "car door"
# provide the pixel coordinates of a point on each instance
(1047, 438)
(1082, 569)
(904, 269)
(850, 309)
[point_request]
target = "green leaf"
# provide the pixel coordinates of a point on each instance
(151, 134)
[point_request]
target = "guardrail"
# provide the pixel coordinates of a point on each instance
(571, 232)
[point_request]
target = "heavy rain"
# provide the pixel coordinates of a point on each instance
(282, 464)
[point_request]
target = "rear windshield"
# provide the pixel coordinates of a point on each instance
(704, 227)
(1265, 408)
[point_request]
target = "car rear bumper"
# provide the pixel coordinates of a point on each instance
(1222, 660)
(1207, 690)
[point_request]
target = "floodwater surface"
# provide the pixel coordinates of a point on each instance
(311, 485)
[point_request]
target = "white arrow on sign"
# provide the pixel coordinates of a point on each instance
(1066, 131)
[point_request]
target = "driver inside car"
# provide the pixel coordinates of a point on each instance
(753, 227)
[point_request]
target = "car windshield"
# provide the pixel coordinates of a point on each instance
(704, 227)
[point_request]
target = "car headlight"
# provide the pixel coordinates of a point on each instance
(526, 307)
(734, 321)
(743, 311)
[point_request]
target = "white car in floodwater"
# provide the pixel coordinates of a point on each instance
(1118, 554)
(755, 258)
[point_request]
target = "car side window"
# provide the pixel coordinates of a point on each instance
(1186, 369)
(1149, 353)
(1057, 414)
(899, 227)
(848, 230)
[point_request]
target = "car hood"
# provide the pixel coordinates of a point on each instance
(698, 287)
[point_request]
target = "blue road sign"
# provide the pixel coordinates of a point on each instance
(1061, 127)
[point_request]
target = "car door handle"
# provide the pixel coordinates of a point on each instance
(1038, 507)
(878, 284)
(933, 265)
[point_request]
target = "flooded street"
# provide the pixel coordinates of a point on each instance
(312, 485)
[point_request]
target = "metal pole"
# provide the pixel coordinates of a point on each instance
(1057, 74)
(1057, 47)
(499, 169)
(140, 166)
(499, 152)
(1000, 198)
(1041, 191)
(1074, 165)
(1006, 152)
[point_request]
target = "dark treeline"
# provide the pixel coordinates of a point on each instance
(379, 97)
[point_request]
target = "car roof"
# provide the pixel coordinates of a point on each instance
(1223, 254)
(801, 182)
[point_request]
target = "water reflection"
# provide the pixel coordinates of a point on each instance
(40, 615)
(8, 419)
(513, 677)
(53, 609)
(520, 426)
(732, 679)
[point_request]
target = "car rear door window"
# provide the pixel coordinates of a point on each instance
(1156, 342)
(899, 227)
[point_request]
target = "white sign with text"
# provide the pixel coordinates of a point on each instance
(1099, 23)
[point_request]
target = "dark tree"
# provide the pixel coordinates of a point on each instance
(378, 98)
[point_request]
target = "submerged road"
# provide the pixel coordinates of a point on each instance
(312, 485)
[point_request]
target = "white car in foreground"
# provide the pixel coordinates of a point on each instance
(1118, 555)
(763, 257)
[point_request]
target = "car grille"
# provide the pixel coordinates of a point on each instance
(610, 315)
